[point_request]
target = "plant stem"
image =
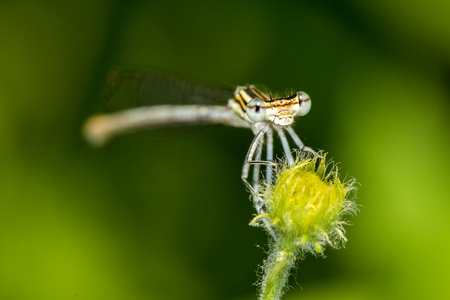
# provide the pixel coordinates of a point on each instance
(277, 269)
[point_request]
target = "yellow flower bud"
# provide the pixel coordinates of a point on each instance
(307, 204)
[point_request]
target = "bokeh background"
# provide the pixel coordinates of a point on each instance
(167, 219)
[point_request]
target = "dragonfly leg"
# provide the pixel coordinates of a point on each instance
(269, 156)
(255, 150)
(251, 151)
(257, 201)
(286, 148)
(257, 141)
(256, 168)
(299, 142)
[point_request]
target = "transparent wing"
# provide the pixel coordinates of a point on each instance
(129, 88)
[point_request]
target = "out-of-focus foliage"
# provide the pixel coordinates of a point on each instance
(152, 219)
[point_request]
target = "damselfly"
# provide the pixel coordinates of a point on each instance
(134, 93)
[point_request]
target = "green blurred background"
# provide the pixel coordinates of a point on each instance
(146, 219)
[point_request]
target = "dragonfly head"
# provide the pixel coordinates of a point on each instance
(285, 110)
(279, 111)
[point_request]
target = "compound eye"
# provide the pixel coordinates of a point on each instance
(256, 110)
(305, 103)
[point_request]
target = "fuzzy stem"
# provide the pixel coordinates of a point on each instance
(277, 269)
